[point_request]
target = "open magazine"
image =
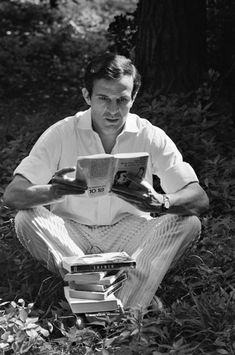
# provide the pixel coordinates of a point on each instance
(103, 171)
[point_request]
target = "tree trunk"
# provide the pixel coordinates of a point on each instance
(171, 44)
(54, 4)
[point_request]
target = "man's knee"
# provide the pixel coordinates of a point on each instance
(188, 227)
(22, 218)
(192, 227)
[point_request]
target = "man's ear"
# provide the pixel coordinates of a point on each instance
(86, 96)
(134, 97)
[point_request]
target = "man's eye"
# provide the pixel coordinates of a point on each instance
(103, 98)
(123, 100)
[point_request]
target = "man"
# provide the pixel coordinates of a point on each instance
(76, 225)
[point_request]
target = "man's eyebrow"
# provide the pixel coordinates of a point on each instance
(124, 96)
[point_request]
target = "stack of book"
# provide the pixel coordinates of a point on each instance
(93, 280)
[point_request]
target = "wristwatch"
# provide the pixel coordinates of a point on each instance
(166, 203)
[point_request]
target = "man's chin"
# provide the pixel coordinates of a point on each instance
(118, 126)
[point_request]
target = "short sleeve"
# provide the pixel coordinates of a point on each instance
(168, 164)
(42, 162)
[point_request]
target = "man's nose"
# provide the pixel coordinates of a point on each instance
(113, 107)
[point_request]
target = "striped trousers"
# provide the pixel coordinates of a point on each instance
(154, 243)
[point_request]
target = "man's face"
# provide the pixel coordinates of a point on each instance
(110, 103)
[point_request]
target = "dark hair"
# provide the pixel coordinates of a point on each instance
(111, 66)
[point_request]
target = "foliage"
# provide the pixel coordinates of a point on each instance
(42, 55)
(43, 60)
(20, 332)
(122, 34)
(220, 32)
(184, 328)
(198, 295)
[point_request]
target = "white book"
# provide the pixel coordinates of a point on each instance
(87, 277)
(98, 262)
(79, 305)
(99, 286)
(95, 295)
(104, 171)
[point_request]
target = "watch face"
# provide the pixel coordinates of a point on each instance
(166, 202)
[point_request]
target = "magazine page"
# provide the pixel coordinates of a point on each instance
(97, 170)
(129, 163)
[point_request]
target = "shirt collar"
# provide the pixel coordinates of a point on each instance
(131, 124)
(84, 121)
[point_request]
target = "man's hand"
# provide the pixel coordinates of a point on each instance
(63, 185)
(21, 194)
(140, 194)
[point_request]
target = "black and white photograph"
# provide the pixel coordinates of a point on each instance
(117, 166)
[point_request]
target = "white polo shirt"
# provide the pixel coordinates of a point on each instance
(61, 144)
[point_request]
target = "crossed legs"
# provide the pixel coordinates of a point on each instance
(155, 244)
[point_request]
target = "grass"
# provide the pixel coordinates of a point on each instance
(197, 297)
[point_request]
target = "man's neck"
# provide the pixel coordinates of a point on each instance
(108, 142)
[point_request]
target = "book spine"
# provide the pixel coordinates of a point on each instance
(113, 289)
(101, 267)
(98, 287)
(88, 287)
(85, 277)
(91, 295)
(99, 306)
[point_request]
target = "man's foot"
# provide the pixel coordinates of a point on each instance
(78, 320)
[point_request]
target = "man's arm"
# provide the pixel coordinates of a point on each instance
(190, 200)
(22, 194)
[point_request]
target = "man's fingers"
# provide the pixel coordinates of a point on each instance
(74, 183)
(60, 178)
(123, 192)
(141, 200)
(140, 205)
(66, 187)
(136, 182)
(64, 190)
(129, 194)
(64, 171)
